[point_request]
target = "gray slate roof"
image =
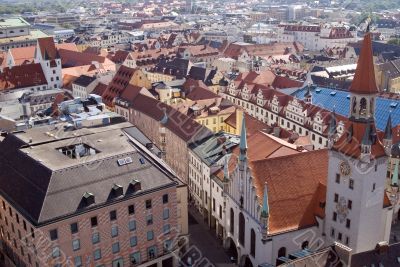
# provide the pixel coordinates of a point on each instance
(44, 185)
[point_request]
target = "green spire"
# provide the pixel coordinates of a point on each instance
(395, 174)
(367, 136)
(265, 207)
(243, 141)
(388, 128)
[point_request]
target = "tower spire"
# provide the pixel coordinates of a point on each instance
(364, 78)
(264, 215)
(388, 128)
(265, 207)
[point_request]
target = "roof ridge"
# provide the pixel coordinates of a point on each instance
(292, 155)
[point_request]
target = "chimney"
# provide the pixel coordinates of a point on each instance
(277, 131)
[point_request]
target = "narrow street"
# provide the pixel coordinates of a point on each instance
(202, 238)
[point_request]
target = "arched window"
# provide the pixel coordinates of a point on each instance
(363, 106)
(232, 221)
(371, 106)
(241, 228)
(253, 243)
(354, 105)
(304, 245)
(282, 252)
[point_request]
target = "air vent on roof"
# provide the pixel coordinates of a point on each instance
(348, 96)
(88, 199)
(117, 190)
(333, 93)
(318, 90)
(394, 104)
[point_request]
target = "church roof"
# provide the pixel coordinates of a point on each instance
(364, 78)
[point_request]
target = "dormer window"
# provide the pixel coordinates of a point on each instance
(117, 190)
(135, 186)
(88, 199)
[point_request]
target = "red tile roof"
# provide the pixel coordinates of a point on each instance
(47, 48)
(351, 146)
(364, 78)
(118, 84)
(99, 89)
(22, 77)
(23, 55)
(180, 124)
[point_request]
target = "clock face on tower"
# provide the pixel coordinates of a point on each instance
(344, 168)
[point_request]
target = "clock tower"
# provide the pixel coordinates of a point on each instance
(357, 213)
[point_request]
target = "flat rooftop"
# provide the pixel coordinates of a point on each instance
(13, 22)
(34, 34)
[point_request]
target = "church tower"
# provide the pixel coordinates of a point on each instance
(47, 55)
(357, 212)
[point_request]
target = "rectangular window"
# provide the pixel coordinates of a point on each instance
(114, 231)
(148, 204)
(76, 244)
(74, 228)
(113, 215)
(334, 218)
(133, 241)
(332, 232)
(349, 204)
(131, 209)
(149, 219)
(150, 235)
(115, 247)
(132, 225)
(351, 184)
(152, 252)
(166, 214)
(95, 238)
(97, 254)
(348, 223)
(56, 252)
(53, 234)
(339, 236)
(337, 178)
(165, 198)
(78, 261)
(336, 198)
(135, 258)
(93, 221)
(166, 229)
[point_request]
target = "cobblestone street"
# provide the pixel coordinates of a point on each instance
(202, 238)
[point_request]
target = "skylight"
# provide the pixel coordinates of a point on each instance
(77, 151)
